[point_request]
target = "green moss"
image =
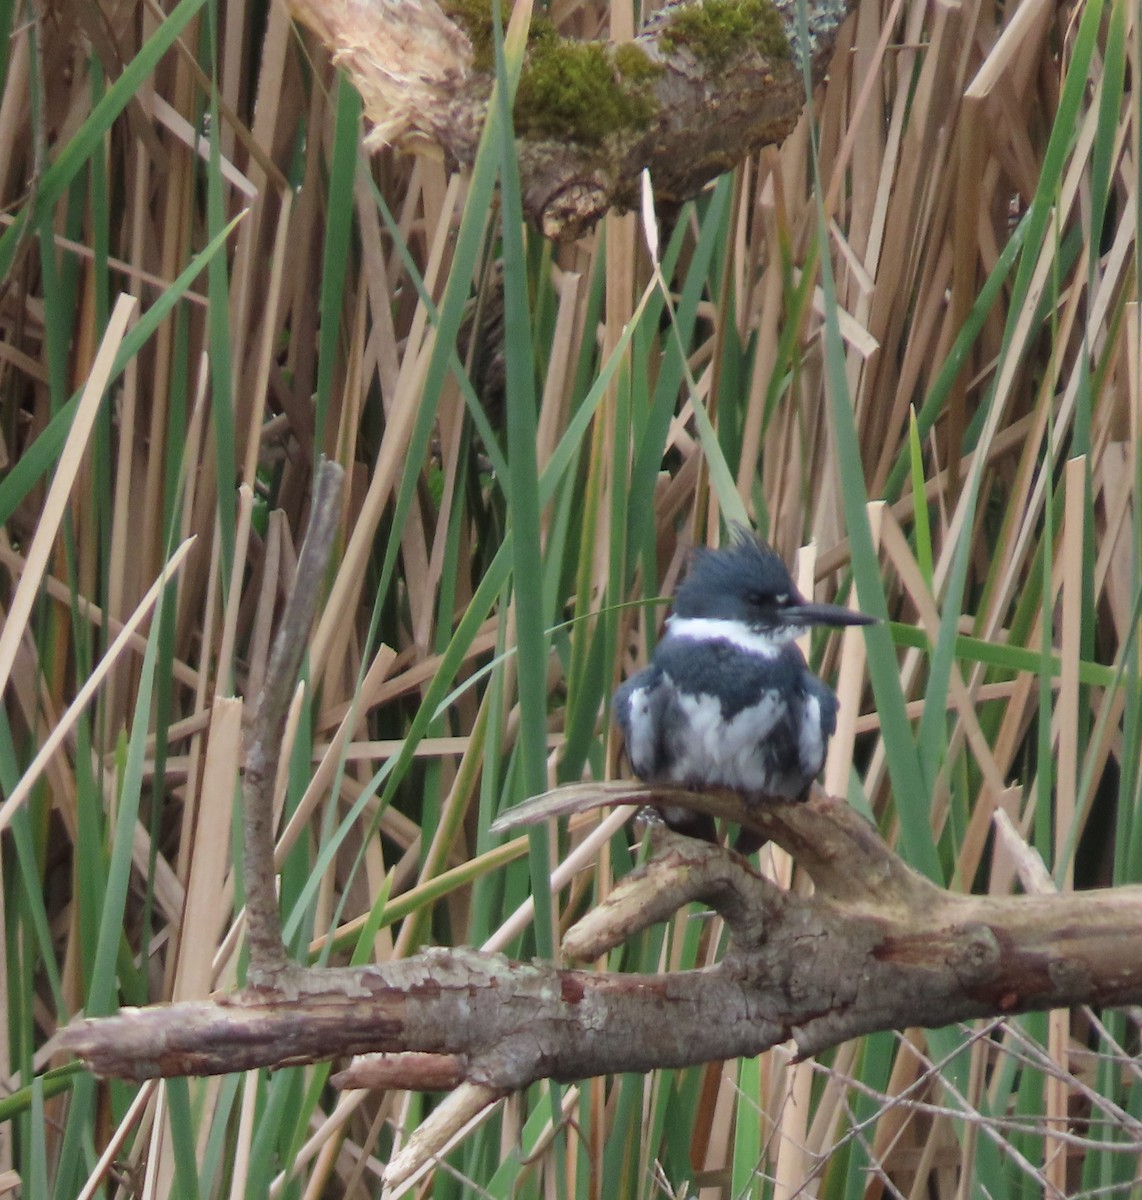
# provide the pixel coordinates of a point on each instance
(717, 30)
(635, 66)
(475, 18)
(583, 91)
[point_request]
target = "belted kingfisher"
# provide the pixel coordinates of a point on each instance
(728, 700)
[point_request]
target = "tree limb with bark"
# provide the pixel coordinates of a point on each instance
(876, 946)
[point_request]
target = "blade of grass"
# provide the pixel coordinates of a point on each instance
(100, 997)
(87, 692)
(336, 251)
(523, 494)
(87, 139)
(58, 495)
(38, 458)
(908, 783)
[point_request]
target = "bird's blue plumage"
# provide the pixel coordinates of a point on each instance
(727, 699)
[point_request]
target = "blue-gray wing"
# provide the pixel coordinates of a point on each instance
(827, 699)
(638, 709)
(819, 723)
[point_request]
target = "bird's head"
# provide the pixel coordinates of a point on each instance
(746, 581)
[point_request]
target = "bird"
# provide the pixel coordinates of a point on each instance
(727, 700)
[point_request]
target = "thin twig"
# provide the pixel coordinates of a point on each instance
(268, 959)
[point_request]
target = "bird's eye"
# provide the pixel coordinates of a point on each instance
(781, 598)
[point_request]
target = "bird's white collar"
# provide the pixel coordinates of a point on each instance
(737, 633)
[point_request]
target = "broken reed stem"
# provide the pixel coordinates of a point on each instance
(268, 958)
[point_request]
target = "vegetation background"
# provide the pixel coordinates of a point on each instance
(912, 346)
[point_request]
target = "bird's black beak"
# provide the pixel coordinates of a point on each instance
(826, 614)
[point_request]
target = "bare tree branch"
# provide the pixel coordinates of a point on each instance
(875, 947)
(263, 918)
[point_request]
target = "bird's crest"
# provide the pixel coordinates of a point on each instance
(747, 561)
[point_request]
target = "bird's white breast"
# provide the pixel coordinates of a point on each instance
(726, 751)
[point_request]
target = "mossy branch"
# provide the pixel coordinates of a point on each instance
(705, 85)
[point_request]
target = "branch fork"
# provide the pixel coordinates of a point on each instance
(876, 946)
